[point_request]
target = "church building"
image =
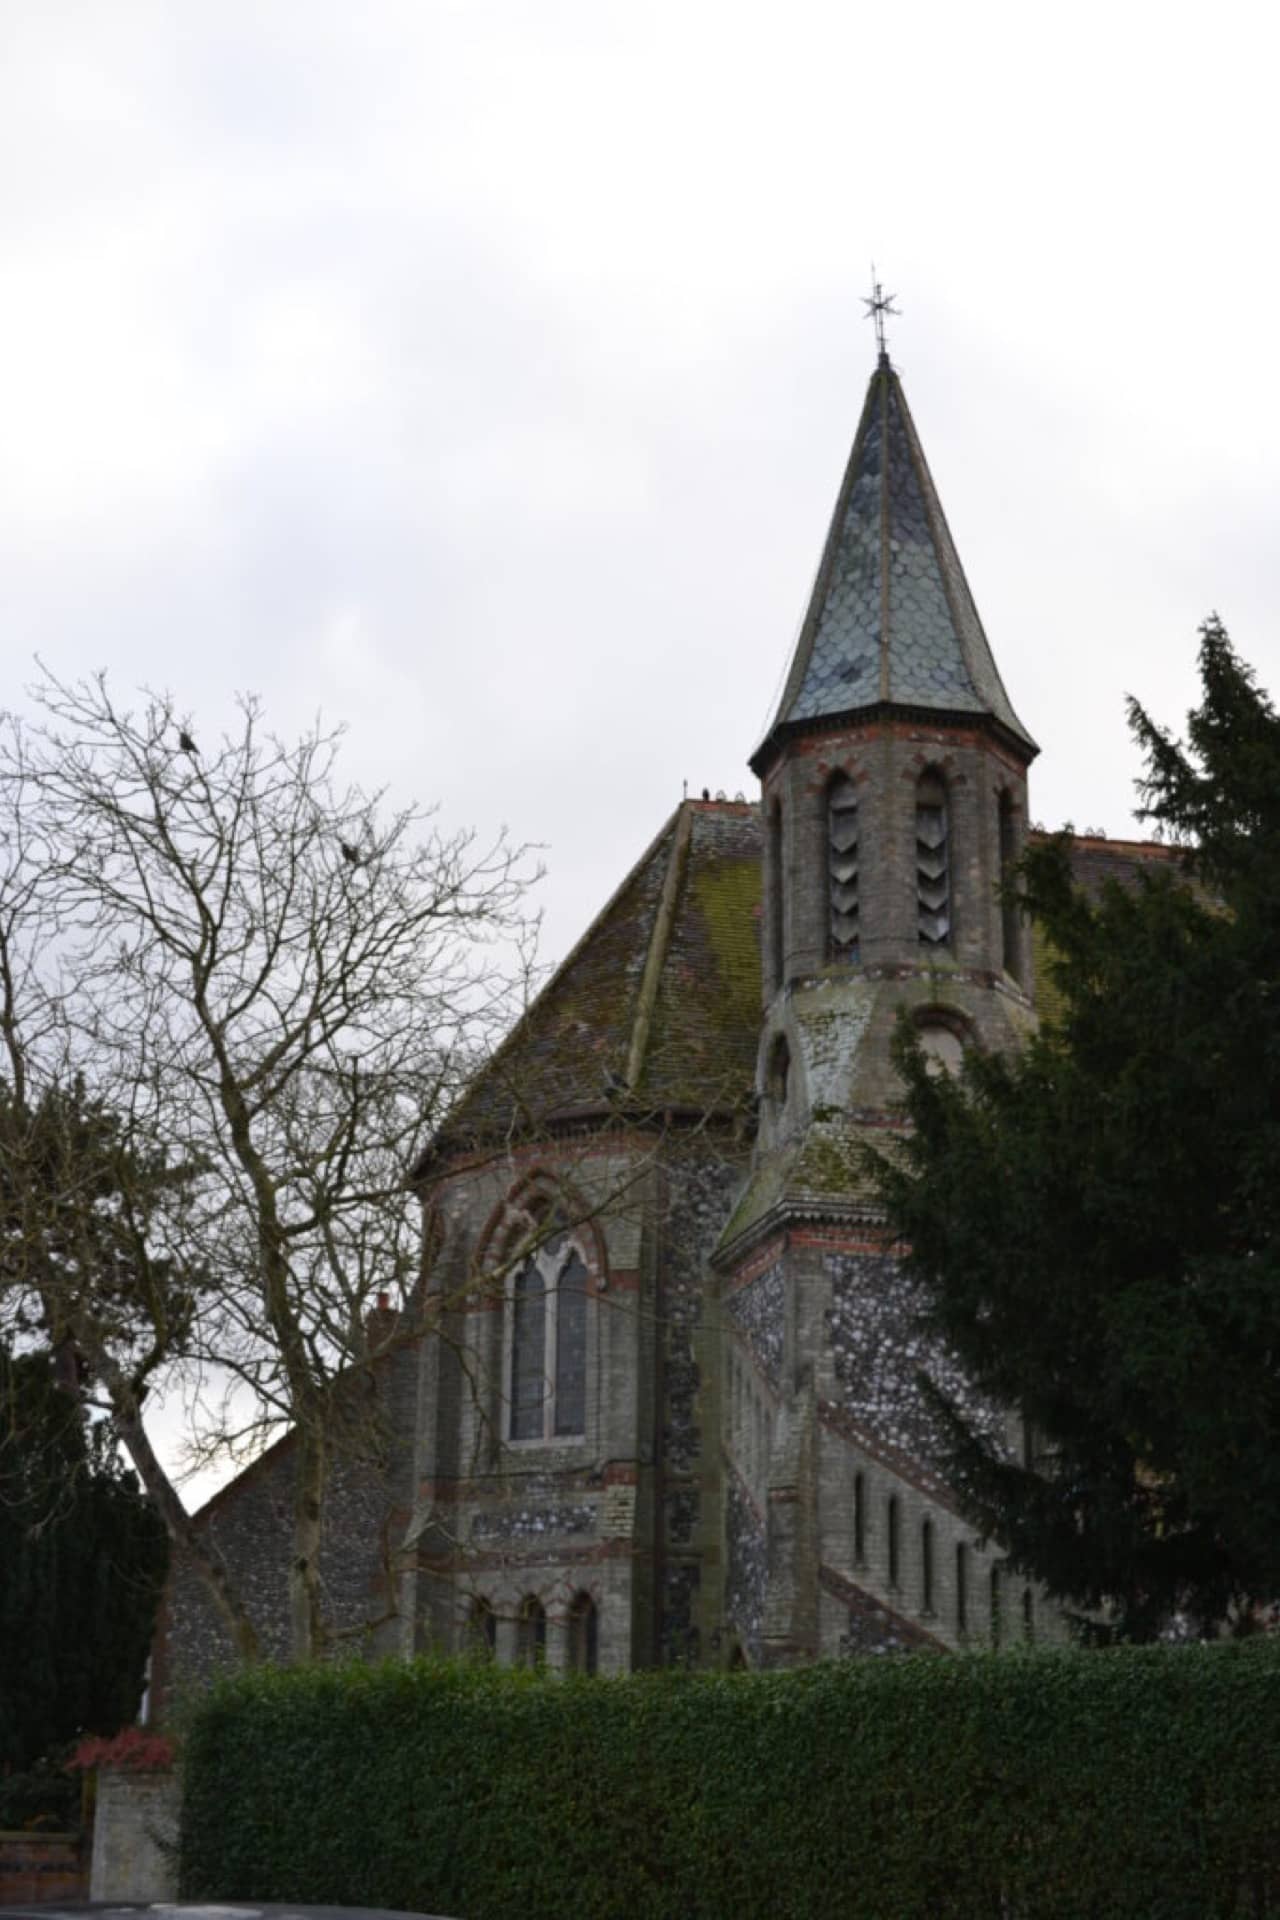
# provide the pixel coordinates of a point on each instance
(657, 1401)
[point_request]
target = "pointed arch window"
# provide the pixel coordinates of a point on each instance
(894, 1540)
(842, 867)
(482, 1630)
(531, 1632)
(548, 1360)
(933, 861)
(584, 1635)
(926, 1566)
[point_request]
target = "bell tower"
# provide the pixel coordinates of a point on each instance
(894, 804)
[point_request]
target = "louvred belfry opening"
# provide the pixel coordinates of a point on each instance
(842, 857)
(933, 875)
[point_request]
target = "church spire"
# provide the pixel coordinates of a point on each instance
(891, 622)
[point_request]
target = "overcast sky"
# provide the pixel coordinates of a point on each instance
(482, 374)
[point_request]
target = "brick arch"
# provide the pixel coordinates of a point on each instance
(936, 1013)
(930, 760)
(541, 1189)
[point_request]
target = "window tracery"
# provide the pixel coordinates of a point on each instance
(548, 1362)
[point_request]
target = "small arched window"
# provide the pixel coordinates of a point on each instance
(548, 1367)
(531, 1632)
(942, 1047)
(482, 1630)
(893, 1527)
(584, 1635)
(926, 1566)
(859, 1517)
(842, 867)
(933, 861)
(962, 1587)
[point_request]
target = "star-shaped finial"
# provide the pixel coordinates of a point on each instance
(880, 304)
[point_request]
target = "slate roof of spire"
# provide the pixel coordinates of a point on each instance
(891, 621)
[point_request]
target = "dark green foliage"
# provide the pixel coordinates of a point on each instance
(80, 1195)
(47, 1796)
(82, 1560)
(1134, 1782)
(1097, 1222)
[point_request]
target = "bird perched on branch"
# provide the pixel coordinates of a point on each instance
(185, 742)
(349, 853)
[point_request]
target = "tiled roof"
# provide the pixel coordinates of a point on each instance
(657, 1006)
(891, 620)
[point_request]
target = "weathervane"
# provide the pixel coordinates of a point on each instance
(880, 304)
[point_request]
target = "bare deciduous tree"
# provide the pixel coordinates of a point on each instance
(280, 986)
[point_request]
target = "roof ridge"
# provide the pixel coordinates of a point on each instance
(659, 939)
(516, 1035)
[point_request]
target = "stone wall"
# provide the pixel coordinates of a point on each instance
(135, 1837)
(627, 1512)
(250, 1524)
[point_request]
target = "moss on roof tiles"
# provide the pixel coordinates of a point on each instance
(828, 1164)
(574, 1040)
(575, 1036)
(701, 1051)
(706, 1021)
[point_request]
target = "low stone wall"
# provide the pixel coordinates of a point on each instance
(41, 1867)
(135, 1836)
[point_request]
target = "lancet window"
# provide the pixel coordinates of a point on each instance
(548, 1365)
(584, 1635)
(482, 1630)
(842, 867)
(531, 1632)
(933, 862)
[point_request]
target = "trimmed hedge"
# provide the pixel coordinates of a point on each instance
(1139, 1782)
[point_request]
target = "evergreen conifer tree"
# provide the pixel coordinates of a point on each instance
(82, 1560)
(1096, 1223)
